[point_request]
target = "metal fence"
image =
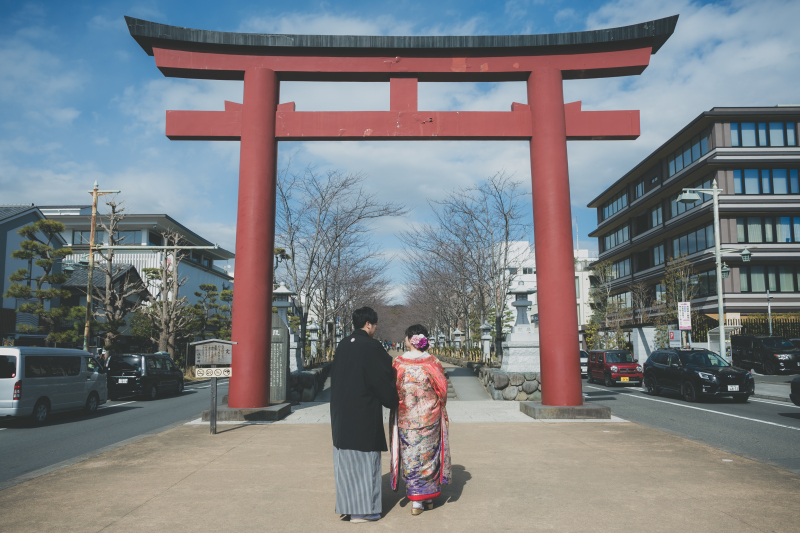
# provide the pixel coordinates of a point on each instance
(784, 327)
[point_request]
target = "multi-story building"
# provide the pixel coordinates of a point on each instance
(12, 218)
(754, 156)
(200, 267)
(524, 275)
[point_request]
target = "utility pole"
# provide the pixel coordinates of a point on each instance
(89, 288)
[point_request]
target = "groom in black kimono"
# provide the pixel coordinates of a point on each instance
(362, 380)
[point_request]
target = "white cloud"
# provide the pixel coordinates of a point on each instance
(30, 77)
(564, 15)
(732, 54)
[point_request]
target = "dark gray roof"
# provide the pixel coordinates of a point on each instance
(149, 34)
(8, 211)
(80, 276)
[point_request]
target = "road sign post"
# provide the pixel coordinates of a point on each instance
(213, 352)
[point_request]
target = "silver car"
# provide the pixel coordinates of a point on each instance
(584, 363)
(38, 381)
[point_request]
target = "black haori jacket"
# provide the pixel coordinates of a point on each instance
(362, 379)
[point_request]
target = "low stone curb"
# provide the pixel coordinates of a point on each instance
(306, 384)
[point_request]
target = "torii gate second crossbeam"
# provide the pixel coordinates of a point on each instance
(262, 61)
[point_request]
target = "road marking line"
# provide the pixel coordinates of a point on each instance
(779, 404)
(117, 404)
(701, 409)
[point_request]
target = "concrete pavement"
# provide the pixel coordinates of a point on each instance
(466, 386)
(508, 476)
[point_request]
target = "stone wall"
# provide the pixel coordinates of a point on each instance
(501, 385)
(306, 384)
(511, 386)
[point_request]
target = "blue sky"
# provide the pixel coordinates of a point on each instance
(82, 102)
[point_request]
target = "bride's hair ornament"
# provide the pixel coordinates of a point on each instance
(419, 342)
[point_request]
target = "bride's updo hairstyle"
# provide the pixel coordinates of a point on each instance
(418, 335)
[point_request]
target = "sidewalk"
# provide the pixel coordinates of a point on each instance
(466, 385)
(773, 391)
(520, 475)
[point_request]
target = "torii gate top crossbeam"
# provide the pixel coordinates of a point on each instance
(191, 53)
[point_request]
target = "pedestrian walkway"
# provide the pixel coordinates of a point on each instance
(490, 412)
(773, 391)
(468, 387)
(579, 477)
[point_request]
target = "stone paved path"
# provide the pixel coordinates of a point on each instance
(468, 387)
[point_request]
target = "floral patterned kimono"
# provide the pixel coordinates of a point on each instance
(419, 427)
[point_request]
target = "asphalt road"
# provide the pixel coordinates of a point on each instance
(764, 430)
(68, 437)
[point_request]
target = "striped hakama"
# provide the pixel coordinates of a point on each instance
(358, 481)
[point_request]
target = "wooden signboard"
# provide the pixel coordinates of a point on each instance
(213, 353)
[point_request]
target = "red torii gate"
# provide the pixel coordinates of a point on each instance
(262, 61)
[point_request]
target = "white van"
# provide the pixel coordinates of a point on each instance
(38, 381)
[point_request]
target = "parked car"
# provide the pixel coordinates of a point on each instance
(769, 354)
(584, 362)
(795, 394)
(696, 374)
(38, 381)
(612, 367)
(148, 375)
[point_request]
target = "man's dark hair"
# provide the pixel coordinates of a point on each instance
(416, 329)
(363, 315)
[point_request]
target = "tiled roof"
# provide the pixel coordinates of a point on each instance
(8, 211)
(80, 276)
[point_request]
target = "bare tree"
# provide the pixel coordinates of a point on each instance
(169, 314)
(318, 217)
(123, 290)
(641, 300)
(474, 231)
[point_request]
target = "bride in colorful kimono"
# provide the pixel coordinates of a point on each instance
(419, 442)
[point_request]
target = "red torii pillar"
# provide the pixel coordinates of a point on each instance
(260, 122)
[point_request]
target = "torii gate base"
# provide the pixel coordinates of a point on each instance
(262, 61)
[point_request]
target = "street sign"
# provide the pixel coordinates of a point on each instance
(213, 352)
(674, 338)
(213, 372)
(684, 316)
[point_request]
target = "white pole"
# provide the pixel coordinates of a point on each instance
(769, 312)
(718, 254)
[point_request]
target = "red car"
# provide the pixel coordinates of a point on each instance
(613, 366)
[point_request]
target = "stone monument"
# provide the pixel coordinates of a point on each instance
(521, 347)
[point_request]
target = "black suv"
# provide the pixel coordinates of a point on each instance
(694, 374)
(770, 354)
(145, 375)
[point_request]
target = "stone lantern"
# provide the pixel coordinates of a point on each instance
(486, 340)
(442, 339)
(521, 347)
(313, 337)
(281, 299)
(457, 338)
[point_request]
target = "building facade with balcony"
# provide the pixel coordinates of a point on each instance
(754, 155)
(198, 267)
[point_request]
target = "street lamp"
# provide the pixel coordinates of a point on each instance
(689, 196)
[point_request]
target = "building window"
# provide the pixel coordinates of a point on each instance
(656, 218)
(760, 278)
(689, 152)
(768, 229)
(661, 291)
(527, 270)
(766, 181)
(706, 283)
(622, 299)
(155, 238)
(129, 237)
(621, 269)
(694, 241)
(677, 208)
(615, 238)
(82, 238)
(577, 288)
(748, 134)
(617, 203)
(658, 255)
(638, 189)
